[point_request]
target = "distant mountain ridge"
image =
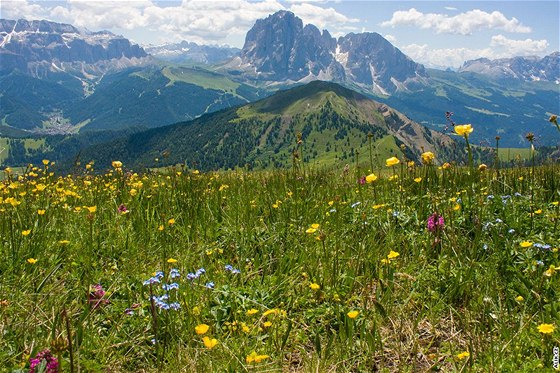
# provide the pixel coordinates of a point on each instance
(42, 48)
(280, 49)
(189, 52)
(518, 68)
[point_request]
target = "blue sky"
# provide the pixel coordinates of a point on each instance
(435, 33)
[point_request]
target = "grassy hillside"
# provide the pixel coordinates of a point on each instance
(333, 123)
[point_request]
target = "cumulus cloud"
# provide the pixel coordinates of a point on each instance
(202, 21)
(391, 38)
(463, 23)
(499, 47)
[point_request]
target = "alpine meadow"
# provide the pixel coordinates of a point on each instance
(297, 202)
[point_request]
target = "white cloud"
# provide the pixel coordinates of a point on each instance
(449, 8)
(391, 38)
(202, 21)
(499, 47)
(463, 23)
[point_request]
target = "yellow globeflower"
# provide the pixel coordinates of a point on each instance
(252, 311)
(371, 178)
(463, 355)
(353, 314)
(463, 130)
(116, 164)
(392, 254)
(546, 328)
(210, 343)
(392, 161)
(428, 157)
(526, 244)
(26, 232)
(31, 260)
(201, 329)
(253, 357)
(482, 167)
(171, 260)
(314, 286)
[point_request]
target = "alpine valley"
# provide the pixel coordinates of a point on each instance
(65, 89)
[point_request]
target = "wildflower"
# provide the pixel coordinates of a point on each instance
(371, 178)
(31, 260)
(353, 314)
(267, 324)
(122, 209)
(91, 209)
(51, 363)
(435, 222)
(519, 299)
(116, 164)
(427, 157)
(253, 357)
(40, 212)
(392, 161)
(209, 343)
(201, 329)
(546, 328)
(311, 230)
(463, 355)
(463, 130)
(26, 232)
(551, 270)
(418, 179)
(172, 286)
(171, 221)
(171, 260)
(252, 311)
(314, 286)
(526, 244)
(446, 166)
(482, 167)
(95, 296)
(210, 285)
(362, 180)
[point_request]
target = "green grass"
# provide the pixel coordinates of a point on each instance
(512, 154)
(310, 245)
(203, 78)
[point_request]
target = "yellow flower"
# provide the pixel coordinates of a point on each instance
(418, 179)
(392, 161)
(171, 260)
(171, 221)
(267, 324)
(463, 355)
(519, 299)
(546, 328)
(371, 178)
(40, 212)
(463, 130)
(253, 357)
(196, 310)
(427, 157)
(482, 167)
(210, 343)
(315, 226)
(91, 209)
(311, 230)
(526, 244)
(392, 254)
(551, 270)
(46, 162)
(314, 286)
(456, 207)
(26, 232)
(201, 329)
(160, 228)
(116, 164)
(252, 311)
(31, 260)
(353, 314)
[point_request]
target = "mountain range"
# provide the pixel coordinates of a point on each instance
(56, 79)
(280, 50)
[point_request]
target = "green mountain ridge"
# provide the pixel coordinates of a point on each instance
(334, 124)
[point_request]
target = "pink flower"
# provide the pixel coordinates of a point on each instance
(52, 363)
(95, 297)
(122, 209)
(362, 180)
(435, 223)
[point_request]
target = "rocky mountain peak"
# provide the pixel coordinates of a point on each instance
(280, 49)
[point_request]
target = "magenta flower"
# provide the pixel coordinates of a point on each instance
(96, 294)
(362, 180)
(45, 355)
(122, 209)
(435, 223)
